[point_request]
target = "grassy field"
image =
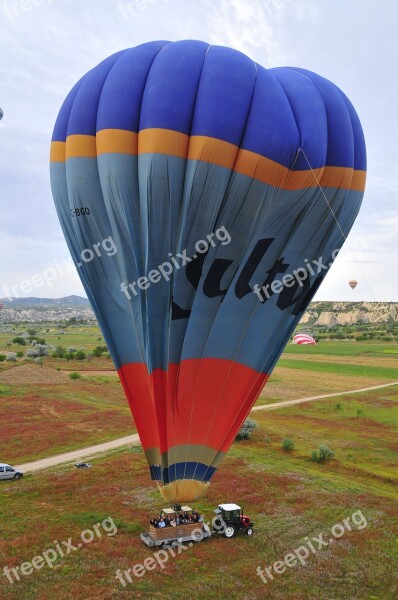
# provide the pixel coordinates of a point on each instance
(288, 497)
(43, 420)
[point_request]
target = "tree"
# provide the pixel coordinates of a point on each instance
(19, 340)
(59, 352)
(246, 430)
(80, 355)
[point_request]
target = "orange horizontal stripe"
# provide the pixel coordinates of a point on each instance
(163, 141)
(212, 150)
(207, 149)
(81, 146)
(57, 152)
(117, 140)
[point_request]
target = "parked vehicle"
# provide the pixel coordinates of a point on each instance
(232, 518)
(8, 472)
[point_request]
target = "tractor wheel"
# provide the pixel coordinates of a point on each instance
(229, 531)
(249, 531)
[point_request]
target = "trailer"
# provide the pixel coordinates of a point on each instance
(173, 535)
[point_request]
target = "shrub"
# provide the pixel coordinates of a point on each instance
(19, 340)
(12, 356)
(59, 352)
(287, 445)
(339, 406)
(323, 454)
(246, 430)
(75, 376)
(32, 353)
(69, 356)
(39, 361)
(19, 354)
(42, 349)
(80, 355)
(97, 351)
(2, 357)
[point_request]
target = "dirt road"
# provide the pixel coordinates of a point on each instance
(86, 453)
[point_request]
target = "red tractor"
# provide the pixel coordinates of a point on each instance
(231, 519)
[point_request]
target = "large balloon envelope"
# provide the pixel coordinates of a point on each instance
(194, 158)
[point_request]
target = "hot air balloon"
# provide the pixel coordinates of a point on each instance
(304, 339)
(353, 284)
(209, 175)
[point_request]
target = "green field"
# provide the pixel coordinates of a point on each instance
(341, 369)
(289, 497)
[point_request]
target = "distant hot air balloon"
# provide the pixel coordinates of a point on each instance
(184, 175)
(304, 338)
(353, 284)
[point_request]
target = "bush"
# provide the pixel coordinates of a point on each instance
(97, 351)
(42, 349)
(39, 361)
(59, 352)
(2, 357)
(246, 430)
(71, 349)
(323, 454)
(12, 356)
(19, 354)
(32, 353)
(69, 356)
(80, 355)
(287, 445)
(339, 406)
(19, 340)
(75, 376)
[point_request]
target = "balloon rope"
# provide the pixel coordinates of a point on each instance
(345, 240)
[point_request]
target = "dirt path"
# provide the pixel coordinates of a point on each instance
(85, 453)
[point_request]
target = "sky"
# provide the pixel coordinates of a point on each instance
(47, 45)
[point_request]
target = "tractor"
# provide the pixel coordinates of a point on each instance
(231, 520)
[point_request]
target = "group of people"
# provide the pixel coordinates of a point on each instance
(181, 518)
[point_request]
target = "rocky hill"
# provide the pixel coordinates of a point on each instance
(331, 314)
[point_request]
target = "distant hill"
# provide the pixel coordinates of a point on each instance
(32, 301)
(39, 310)
(318, 314)
(331, 314)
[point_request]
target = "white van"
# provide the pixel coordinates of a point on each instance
(7, 472)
